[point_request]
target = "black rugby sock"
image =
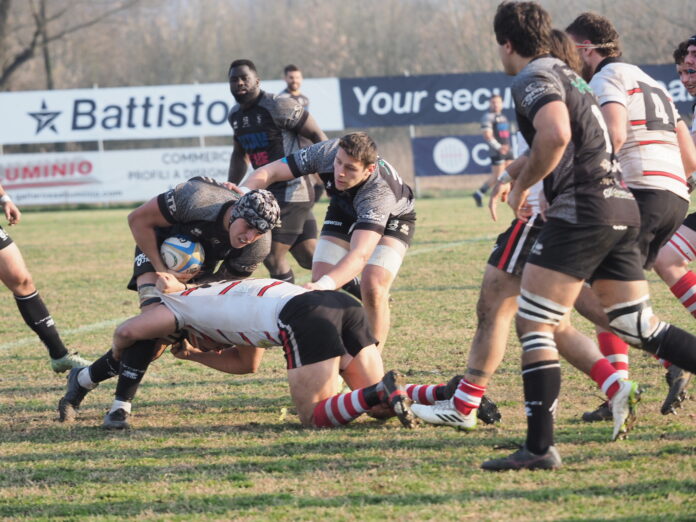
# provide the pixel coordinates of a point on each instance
(134, 363)
(542, 384)
(104, 368)
(35, 314)
(288, 277)
(484, 188)
(674, 345)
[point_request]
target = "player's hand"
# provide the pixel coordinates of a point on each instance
(168, 283)
(233, 187)
(500, 190)
(184, 350)
(543, 205)
(517, 199)
(12, 213)
(311, 286)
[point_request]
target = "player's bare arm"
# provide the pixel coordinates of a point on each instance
(238, 164)
(154, 323)
(142, 222)
(552, 125)
(275, 171)
(238, 360)
(312, 131)
(616, 117)
(686, 148)
(502, 189)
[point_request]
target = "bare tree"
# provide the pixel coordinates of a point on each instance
(49, 27)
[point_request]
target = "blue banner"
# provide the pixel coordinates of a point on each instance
(450, 155)
(450, 98)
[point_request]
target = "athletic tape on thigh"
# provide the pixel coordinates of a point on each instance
(328, 252)
(386, 257)
(538, 341)
(536, 308)
(148, 295)
(631, 320)
(683, 246)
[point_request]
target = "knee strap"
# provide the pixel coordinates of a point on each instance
(386, 257)
(631, 321)
(540, 309)
(328, 252)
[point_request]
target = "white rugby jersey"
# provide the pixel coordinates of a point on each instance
(233, 312)
(650, 158)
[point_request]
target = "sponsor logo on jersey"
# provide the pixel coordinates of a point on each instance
(196, 232)
(245, 121)
(3, 235)
(170, 201)
(581, 85)
(334, 223)
(619, 227)
(537, 248)
(535, 91)
(141, 259)
(405, 228)
(616, 192)
(371, 215)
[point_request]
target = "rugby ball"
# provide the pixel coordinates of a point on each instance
(182, 255)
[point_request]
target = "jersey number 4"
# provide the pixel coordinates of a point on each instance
(658, 109)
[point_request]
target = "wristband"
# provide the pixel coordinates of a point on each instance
(505, 177)
(5, 198)
(244, 189)
(326, 282)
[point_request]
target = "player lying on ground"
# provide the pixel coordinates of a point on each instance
(226, 326)
(16, 277)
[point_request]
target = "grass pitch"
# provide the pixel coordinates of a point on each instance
(208, 445)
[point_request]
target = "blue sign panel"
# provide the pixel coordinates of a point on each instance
(450, 155)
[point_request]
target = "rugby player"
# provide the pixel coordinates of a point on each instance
(224, 324)
(497, 133)
(293, 79)
(234, 232)
(590, 234)
(369, 223)
(497, 306)
(16, 277)
(655, 152)
(267, 128)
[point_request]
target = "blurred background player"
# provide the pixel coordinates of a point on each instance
(293, 79)
(655, 151)
(368, 226)
(497, 132)
(267, 128)
(15, 276)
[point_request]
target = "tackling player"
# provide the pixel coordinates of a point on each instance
(225, 324)
(590, 234)
(655, 151)
(497, 133)
(233, 231)
(16, 277)
(369, 223)
(267, 128)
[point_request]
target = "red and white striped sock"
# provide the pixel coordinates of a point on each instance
(685, 291)
(424, 393)
(467, 397)
(340, 409)
(615, 350)
(606, 376)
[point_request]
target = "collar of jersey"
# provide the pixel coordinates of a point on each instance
(607, 61)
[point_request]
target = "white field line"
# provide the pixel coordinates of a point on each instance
(110, 323)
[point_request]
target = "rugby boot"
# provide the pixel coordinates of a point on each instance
(487, 411)
(68, 361)
(478, 198)
(602, 413)
(116, 420)
(623, 408)
(677, 380)
(444, 413)
(525, 459)
(397, 398)
(69, 404)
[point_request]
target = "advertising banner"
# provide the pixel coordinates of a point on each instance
(106, 177)
(450, 98)
(450, 155)
(136, 113)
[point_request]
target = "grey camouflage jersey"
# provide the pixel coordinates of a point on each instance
(588, 191)
(371, 204)
(267, 131)
(196, 208)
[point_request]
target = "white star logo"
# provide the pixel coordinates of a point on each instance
(45, 118)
